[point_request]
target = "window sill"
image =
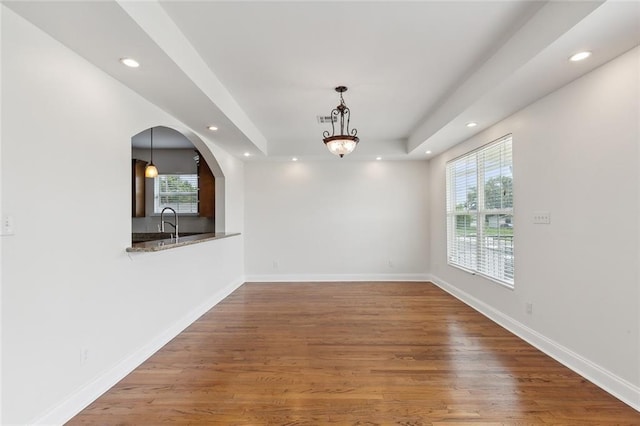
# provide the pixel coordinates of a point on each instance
(179, 215)
(510, 286)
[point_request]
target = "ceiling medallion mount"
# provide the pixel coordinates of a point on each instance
(344, 142)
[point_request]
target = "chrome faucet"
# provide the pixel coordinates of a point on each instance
(175, 220)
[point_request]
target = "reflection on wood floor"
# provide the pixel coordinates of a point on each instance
(347, 354)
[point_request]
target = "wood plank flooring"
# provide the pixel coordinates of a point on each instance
(351, 354)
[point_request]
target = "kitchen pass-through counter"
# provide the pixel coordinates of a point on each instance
(169, 243)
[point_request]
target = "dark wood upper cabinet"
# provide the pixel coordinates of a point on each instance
(138, 188)
(206, 190)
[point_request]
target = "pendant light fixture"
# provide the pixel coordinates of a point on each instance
(344, 142)
(151, 171)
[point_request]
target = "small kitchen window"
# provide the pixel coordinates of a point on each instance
(178, 191)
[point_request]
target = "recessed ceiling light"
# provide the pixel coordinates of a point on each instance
(294, 159)
(580, 56)
(471, 124)
(131, 63)
(247, 154)
(212, 128)
(378, 158)
(428, 152)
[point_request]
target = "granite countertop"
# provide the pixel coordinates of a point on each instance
(169, 243)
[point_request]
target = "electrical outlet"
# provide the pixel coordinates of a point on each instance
(275, 264)
(542, 217)
(529, 308)
(390, 263)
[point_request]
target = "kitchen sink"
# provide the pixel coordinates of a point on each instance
(142, 237)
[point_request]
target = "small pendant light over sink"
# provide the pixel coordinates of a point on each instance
(151, 171)
(345, 142)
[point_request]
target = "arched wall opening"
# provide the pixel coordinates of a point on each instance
(190, 181)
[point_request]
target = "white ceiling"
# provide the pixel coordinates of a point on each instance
(417, 71)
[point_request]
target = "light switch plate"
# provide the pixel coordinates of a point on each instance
(542, 217)
(7, 225)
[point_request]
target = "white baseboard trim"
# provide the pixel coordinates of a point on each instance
(620, 388)
(84, 396)
(285, 278)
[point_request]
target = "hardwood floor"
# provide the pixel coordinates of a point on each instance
(351, 354)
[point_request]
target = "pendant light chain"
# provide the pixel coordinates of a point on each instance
(151, 171)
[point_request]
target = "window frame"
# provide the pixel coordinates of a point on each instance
(475, 261)
(157, 194)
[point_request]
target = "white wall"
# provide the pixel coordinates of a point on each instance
(1, 210)
(336, 220)
(67, 283)
(575, 155)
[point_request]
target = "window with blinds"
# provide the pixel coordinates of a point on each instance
(480, 211)
(180, 192)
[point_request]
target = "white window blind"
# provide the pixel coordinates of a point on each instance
(480, 211)
(179, 192)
